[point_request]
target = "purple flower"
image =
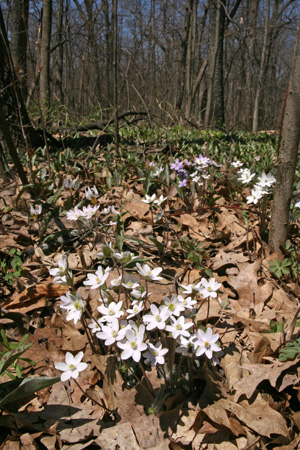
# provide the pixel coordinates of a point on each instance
(177, 165)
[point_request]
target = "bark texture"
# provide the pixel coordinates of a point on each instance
(287, 158)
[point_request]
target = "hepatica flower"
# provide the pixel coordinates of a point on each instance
(74, 214)
(61, 274)
(157, 318)
(133, 344)
(74, 305)
(205, 343)
(155, 354)
(178, 327)
(150, 199)
(72, 367)
(209, 288)
(111, 312)
(98, 278)
(148, 274)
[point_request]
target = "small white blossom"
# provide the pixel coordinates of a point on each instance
(150, 199)
(178, 327)
(98, 278)
(245, 176)
(255, 196)
(155, 355)
(89, 211)
(157, 318)
(173, 305)
(237, 164)
(205, 342)
(297, 204)
(148, 274)
(160, 200)
(186, 346)
(133, 344)
(74, 214)
(209, 288)
(136, 308)
(111, 332)
(74, 305)
(95, 326)
(111, 312)
(72, 367)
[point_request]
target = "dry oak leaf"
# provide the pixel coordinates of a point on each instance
(260, 372)
(225, 260)
(258, 416)
(120, 436)
(246, 285)
(36, 296)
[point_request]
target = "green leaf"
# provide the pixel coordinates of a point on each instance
(10, 356)
(159, 245)
(290, 351)
(17, 393)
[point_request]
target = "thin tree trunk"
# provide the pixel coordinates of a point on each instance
(58, 68)
(261, 71)
(287, 158)
(115, 67)
(45, 54)
(18, 43)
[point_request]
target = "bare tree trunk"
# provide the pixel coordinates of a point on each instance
(261, 70)
(58, 67)
(115, 66)
(251, 62)
(45, 53)
(287, 158)
(214, 36)
(18, 43)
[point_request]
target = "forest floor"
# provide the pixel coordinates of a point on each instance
(250, 400)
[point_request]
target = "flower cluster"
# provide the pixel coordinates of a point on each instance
(132, 328)
(196, 171)
(261, 188)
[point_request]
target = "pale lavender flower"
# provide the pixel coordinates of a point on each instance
(74, 214)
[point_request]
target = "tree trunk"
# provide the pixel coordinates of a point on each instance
(287, 158)
(115, 67)
(58, 67)
(18, 43)
(13, 107)
(45, 54)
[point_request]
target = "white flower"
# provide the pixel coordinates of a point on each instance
(71, 367)
(205, 342)
(266, 180)
(124, 257)
(237, 164)
(155, 355)
(191, 288)
(188, 303)
(110, 210)
(133, 344)
(186, 346)
(111, 332)
(297, 204)
(245, 176)
(98, 278)
(157, 318)
(150, 199)
(160, 200)
(35, 211)
(178, 327)
(148, 274)
(95, 326)
(89, 211)
(74, 305)
(74, 214)
(137, 293)
(173, 305)
(255, 196)
(157, 171)
(61, 274)
(129, 282)
(91, 194)
(111, 312)
(69, 184)
(136, 308)
(209, 288)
